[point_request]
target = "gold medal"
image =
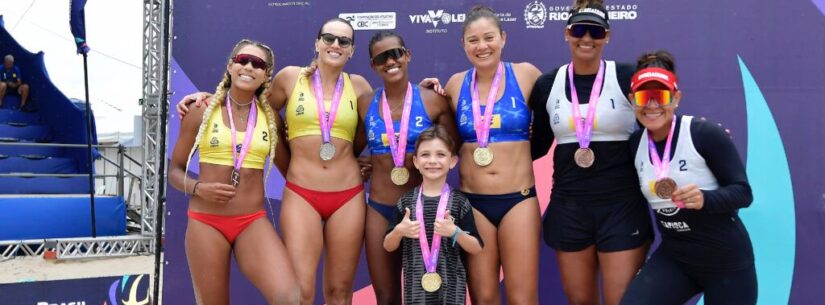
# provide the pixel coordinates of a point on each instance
(584, 157)
(431, 282)
(483, 156)
(400, 175)
(664, 187)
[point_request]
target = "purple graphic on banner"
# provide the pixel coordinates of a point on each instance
(821, 5)
(706, 38)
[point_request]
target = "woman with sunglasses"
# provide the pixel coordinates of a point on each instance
(226, 212)
(596, 220)
(495, 165)
(323, 203)
(393, 117)
(691, 174)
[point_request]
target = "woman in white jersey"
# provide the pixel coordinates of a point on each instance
(596, 221)
(692, 176)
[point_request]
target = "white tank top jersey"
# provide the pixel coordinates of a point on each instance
(686, 167)
(614, 119)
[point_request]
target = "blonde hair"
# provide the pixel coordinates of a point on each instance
(261, 93)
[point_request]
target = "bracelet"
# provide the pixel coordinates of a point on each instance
(195, 188)
(455, 235)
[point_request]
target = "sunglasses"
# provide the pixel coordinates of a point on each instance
(580, 29)
(382, 58)
(256, 61)
(328, 39)
(662, 98)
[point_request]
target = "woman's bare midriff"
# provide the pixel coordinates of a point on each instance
(511, 170)
(307, 170)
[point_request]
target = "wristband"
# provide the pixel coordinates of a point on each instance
(455, 235)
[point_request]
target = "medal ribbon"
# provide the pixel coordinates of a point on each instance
(584, 127)
(431, 256)
(398, 146)
(248, 134)
(326, 121)
(482, 124)
(661, 166)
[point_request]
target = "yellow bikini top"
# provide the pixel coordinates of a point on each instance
(302, 116)
(216, 144)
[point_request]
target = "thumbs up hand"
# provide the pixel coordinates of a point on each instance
(407, 227)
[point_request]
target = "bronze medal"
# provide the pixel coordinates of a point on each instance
(584, 157)
(483, 156)
(400, 175)
(431, 282)
(327, 151)
(664, 187)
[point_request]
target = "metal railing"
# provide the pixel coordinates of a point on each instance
(87, 247)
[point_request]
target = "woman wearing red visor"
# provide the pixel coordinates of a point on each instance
(694, 180)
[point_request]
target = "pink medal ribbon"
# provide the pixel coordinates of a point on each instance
(248, 135)
(431, 256)
(481, 123)
(584, 127)
(398, 146)
(661, 166)
(326, 121)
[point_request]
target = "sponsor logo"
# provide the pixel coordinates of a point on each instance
(679, 226)
(439, 19)
(287, 3)
(614, 12)
(370, 21)
(506, 17)
(668, 211)
(214, 142)
(591, 11)
(299, 110)
(654, 75)
(535, 14)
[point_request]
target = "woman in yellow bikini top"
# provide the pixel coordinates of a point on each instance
(323, 202)
(226, 210)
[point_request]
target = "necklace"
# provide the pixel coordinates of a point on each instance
(239, 105)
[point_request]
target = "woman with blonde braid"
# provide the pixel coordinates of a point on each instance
(234, 134)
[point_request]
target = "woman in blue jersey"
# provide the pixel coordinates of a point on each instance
(692, 176)
(496, 170)
(596, 220)
(393, 173)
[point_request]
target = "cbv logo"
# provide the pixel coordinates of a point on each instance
(436, 17)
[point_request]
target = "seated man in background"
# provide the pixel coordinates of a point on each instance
(10, 80)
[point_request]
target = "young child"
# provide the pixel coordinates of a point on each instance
(441, 215)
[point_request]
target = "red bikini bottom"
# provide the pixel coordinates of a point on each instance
(229, 226)
(325, 203)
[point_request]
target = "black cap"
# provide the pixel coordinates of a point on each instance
(592, 13)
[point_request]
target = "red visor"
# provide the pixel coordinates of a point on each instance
(660, 75)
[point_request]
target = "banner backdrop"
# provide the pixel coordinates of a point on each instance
(757, 67)
(114, 290)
